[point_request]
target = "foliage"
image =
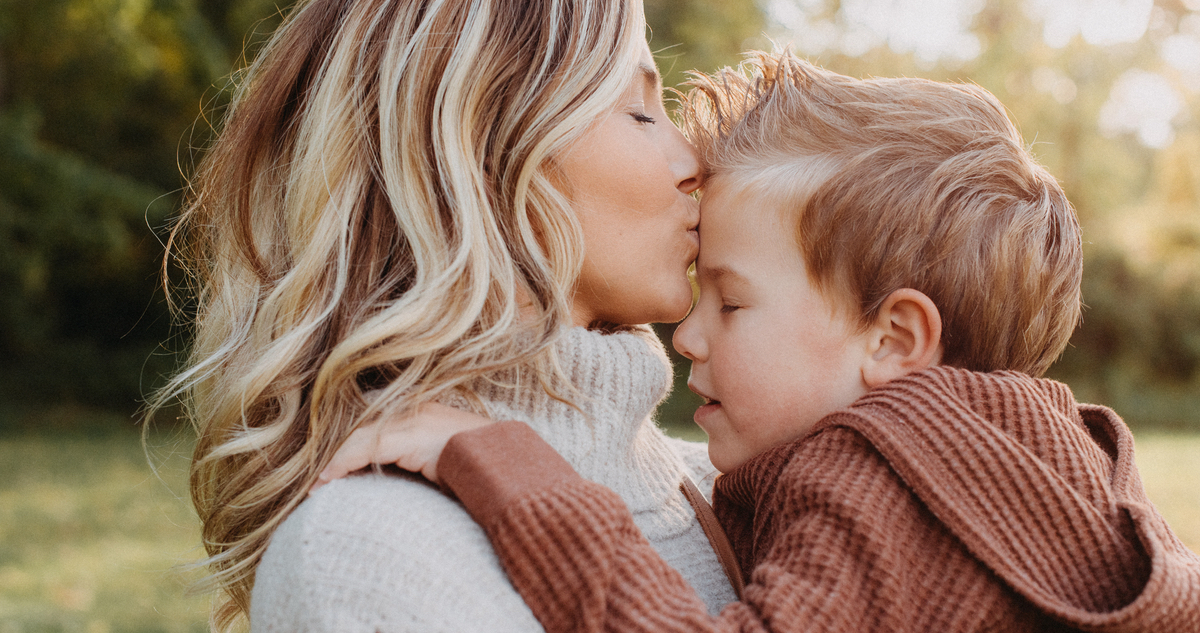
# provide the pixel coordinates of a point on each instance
(1139, 347)
(94, 97)
(74, 268)
(702, 34)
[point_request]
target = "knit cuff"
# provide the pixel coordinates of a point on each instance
(492, 466)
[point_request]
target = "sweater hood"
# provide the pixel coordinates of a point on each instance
(1042, 490)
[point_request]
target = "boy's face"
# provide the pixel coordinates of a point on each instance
(769, 353)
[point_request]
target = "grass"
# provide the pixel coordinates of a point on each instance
(91, 538)
(1170, 468)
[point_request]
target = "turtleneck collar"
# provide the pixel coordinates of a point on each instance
(607, 433)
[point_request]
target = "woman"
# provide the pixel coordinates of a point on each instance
(415, 201)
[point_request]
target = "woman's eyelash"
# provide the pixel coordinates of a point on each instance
(727, 308)
(642, 118)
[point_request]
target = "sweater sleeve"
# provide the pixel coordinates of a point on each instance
(836, 562)
(569, 546)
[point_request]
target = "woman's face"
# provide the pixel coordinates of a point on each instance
(629, 178)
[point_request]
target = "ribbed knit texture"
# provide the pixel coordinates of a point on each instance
(946, 501)
(380, 552)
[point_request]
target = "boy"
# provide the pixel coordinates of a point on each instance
(884, 272)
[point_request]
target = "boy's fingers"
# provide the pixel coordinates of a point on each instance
(413, 442)
(355, 453)
(420, 455)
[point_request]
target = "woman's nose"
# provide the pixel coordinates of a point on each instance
(687, 339)
(685, 163)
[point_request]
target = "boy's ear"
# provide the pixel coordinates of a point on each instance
(906, 336)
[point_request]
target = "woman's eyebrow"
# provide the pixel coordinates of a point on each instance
(650, 75)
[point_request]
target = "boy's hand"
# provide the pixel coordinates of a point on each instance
(413, 443)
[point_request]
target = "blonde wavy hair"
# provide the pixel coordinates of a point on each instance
(380, 212)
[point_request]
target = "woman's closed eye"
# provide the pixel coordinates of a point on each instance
(728, 308)
(642, 117)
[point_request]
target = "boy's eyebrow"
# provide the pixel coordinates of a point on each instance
(719, 273)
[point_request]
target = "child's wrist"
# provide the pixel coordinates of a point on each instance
(489, 466)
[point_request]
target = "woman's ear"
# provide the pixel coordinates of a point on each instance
(906, 336)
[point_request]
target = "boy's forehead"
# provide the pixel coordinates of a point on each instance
(737, 224)
(741, 205)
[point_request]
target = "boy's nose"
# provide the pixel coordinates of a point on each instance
(687, 340)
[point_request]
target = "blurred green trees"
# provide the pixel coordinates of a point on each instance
(105, 105)
(97, 104)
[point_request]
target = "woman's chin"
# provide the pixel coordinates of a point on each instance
(664, 307)
(680, 306)
(670, 313)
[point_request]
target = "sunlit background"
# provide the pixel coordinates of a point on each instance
(105, 105)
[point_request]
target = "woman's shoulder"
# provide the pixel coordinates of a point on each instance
(383, 552)
(370, 508)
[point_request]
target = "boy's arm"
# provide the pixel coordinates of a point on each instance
(569, 546)
(572, 550)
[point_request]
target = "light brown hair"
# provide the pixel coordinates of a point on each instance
(904, 183)
(378, 207)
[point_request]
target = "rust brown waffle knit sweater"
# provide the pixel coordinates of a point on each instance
(946, 501)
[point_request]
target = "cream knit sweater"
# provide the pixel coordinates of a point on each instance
(388, 553)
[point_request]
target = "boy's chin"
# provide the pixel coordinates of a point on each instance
(724, 459)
